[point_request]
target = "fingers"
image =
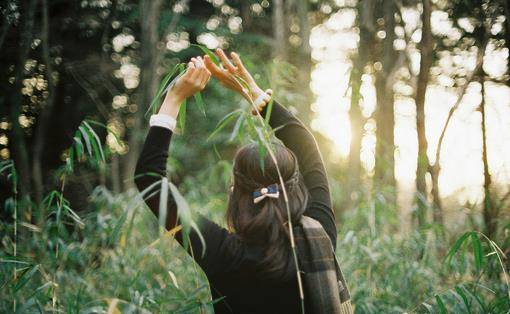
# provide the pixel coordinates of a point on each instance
(205, 74)
(190, 70)
(224, 59)
(205, 79)
(195, 73)
(213, 68)
(238, 61)
(201, 74)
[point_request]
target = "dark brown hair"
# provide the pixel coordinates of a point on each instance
(265, 223)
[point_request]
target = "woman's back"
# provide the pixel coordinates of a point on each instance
(246, 289)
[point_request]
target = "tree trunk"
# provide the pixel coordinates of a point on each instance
(436, 167)
(506, 5)
(246, 15)
(279, 29)
(44, 116)
(149, 17)
(19, 149)
(384, 116)
(4, 30)
(489, 213)
(426, 46)
(304, 61)
(365, 21)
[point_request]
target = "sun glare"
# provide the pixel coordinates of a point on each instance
(461, 176)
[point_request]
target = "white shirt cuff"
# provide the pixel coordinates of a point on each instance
(163, 120)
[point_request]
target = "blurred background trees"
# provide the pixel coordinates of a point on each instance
(408, 100)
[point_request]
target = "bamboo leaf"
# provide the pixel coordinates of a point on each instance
(182, 115)
(85, 136)
(25, 276)
(224, 122)
(114, 237)
(200, 102)
(97, 142)
(208, 52)
(477, 251)
(440, 304)
(185, 218)
(73, 215)
(78, 146)
(464, 298)
(161, 89)
(163, 202)
(477, 298)
(237, 127)
(269, 111)
(456, 246)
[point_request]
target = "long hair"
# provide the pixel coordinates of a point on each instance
(265, 223)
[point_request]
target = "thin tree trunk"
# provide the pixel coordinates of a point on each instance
(149, 17)
(436, 167)
(20, 153)
(246, 16)
(506, 5)
(426, 46)
(304, 61)
(489, 214)
(4, 30)
(365, 21)
(44, 116)
(385, 120)
(279, 29)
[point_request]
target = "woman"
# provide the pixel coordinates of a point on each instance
(251, 267)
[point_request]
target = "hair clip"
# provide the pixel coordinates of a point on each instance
(269, 191)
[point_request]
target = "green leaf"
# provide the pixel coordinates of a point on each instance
(161, 89)
(237, 127)
(224, 122)
(25, 276)
(78, 146)
(163, 202)
(114, 237)
(182, 115)
(456, 246)
(85, 136)
(440, 304)
(269, 110)
(98, 145)
(200, 102)
(208, 52)
(477, 251)
(262, 154)
(476, 297)
(464, 298)
(185, 218)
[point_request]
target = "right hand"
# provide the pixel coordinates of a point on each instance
(227, 76)
(192, 81)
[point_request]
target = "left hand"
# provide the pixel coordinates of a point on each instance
(192, 81)
(231, 73)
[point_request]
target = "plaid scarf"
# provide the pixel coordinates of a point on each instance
(324, 284)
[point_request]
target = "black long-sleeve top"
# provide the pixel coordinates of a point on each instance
(228, 262)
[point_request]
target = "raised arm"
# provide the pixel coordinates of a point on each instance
(293, 133)
(151, 169)
(151, 166)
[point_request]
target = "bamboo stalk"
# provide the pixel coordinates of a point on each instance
(286, 199)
